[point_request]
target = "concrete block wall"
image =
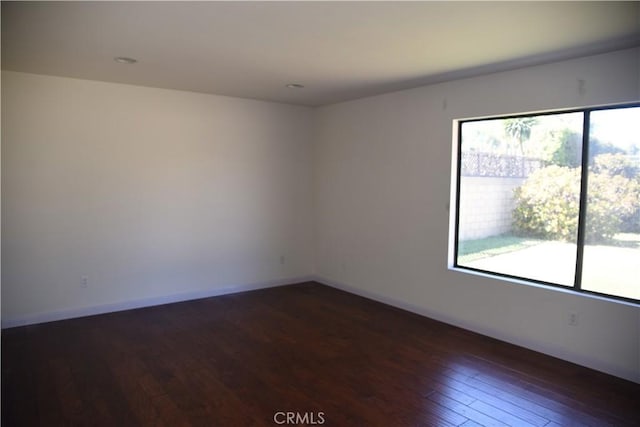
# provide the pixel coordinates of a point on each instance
(486, 206)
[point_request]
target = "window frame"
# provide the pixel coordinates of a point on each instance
(582, 211)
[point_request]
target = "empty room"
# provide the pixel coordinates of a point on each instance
(320, 213)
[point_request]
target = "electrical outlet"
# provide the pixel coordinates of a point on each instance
(84, 281)
(573, 319)
(282, 259)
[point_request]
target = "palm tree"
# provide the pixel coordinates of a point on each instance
(519, 129)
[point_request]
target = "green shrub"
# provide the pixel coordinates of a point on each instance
(616, 164)
(622, 165)
(612, 202)
(547, 204)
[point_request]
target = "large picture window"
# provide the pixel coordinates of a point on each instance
(552, 198)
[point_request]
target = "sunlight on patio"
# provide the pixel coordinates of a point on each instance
(606, 269)
(552, 262)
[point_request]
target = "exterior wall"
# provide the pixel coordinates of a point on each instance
(486, 204)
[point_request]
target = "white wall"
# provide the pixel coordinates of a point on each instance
(382, 176)
(155, 195)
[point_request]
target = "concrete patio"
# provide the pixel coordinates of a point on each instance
(612, 270)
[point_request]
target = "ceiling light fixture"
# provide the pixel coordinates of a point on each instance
(124, 60)
(295, 86)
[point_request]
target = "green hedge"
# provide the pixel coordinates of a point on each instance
(547, 203)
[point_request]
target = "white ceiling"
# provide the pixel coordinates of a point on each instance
(338, 50)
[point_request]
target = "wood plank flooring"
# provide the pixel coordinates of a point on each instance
(331, 357)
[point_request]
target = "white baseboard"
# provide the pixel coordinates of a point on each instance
(582, 360)
(145, 302)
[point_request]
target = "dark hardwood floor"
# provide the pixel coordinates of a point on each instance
(327, 355)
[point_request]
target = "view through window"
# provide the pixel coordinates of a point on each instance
(553, 198)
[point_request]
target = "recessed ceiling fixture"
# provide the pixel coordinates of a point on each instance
(295, 86)
(124, 60)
